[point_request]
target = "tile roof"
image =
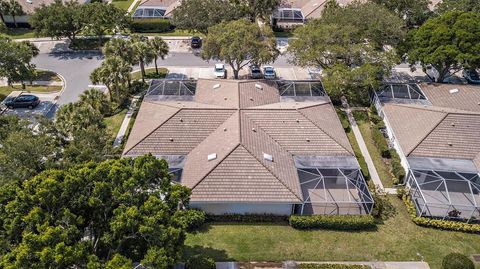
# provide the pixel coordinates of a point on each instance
(251, 122)
(467, 98)
(428, 131)
(30, 6)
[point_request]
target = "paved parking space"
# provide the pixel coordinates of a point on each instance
(287, 73)
(47, 104)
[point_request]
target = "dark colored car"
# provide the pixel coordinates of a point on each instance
(255, 71)
(471, 75)
(196, 42)
(23, 101)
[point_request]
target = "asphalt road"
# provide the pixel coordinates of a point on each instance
(75, 68)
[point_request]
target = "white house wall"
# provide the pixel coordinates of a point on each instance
(243, 208)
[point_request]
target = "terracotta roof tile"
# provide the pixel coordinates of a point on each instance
(251, 96)
(467, 98)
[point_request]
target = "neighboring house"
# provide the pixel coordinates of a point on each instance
(28, 7)
(148, 9)
(296, 12)
(252, 146)
(436, 131)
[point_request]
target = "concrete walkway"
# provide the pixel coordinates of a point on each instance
(126, 122)
(375, 265)
(363, 147)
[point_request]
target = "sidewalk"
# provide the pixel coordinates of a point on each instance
(126, 121)
(375, 265)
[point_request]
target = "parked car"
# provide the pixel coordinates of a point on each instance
(196, 42)
(23, 101)
(471, 75)
(269, 72)
(255, 71)
(220, 71)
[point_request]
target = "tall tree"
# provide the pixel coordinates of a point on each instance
(102, 18)
(159, 48)
(414, 12)
(74, 117)
(257, 9)
(95, 215)
(459, 5)
(97, 100)
(194, 15)
(59, 19)
(142, 52)
(239, 43)
(4, 8)
(15, 58)
(449, 43)
(114, 72)
(14, 10)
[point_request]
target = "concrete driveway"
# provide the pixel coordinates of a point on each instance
(47, 103)
(287, 73)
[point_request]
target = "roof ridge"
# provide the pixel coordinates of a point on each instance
(425, 137)
(434, 108)
(306, 117)
(156, 128)
(215, 166)
(274, 141)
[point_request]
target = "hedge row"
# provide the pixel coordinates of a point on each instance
(397, 168)
(200, 262)
(332, 266)
(191, 219)
(247, 218)
(347, 222)
(151, 25)
(380, 142)
(438, 223)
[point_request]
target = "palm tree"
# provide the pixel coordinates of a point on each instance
(74, 117)
(97, 100)
(113, 73)
(159, 48)
(142, 52)
(15, 9)
(122, 48)
(4, 9)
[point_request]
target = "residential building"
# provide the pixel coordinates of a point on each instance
(273, 147)
(435, 128)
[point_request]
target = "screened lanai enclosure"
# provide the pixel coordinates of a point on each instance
(333, 191)
(446, 194)
(293, 15)
(149, 12)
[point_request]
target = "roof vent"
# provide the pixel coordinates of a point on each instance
(453, 91)
(181, 120)
(308, 139)
(267, 157)
(171, 139)
(251, 98)
(212, 156)
(224, 129)
(453, 124)
(253, 129)
(225, 98)
(297, 120)
(216, 86)
(29, 1)
(450, 144)
(258, 86)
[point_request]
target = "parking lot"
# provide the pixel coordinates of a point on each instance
(287, 73)
(47, 104)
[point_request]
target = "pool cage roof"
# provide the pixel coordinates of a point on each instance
(149, 12)
(446, 194)
(305, 88)
(172, 87)
(401, 91)
(333, 191)
(289, 14)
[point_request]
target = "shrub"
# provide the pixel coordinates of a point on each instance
(191, 219)
(200, 262)
(332, 266)
(439, 223)
(137, 86)
(380, 142)
(247, 218)
(457, 261)
(151, 25)
(346, 222)
(397, 168)
(382, 208)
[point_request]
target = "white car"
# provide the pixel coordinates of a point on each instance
(269, 72)
(220, 71)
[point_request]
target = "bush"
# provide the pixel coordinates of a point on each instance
(397, 168)
(380, 142)
(332, 266)
(346, 222)
(137, 86)
(200, 262)
(439, 223)
(191, 219)
(247, 218)
(457, 261)
(151, 25)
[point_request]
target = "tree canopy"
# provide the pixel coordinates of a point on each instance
(459, 5)
(449, 43)
(15, 58)
(194, 15)
(414, 12)
(239, 43)
(94, 215)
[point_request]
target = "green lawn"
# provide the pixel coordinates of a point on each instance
(20, 33)
(150, 73)
(114, 122)
(6, 90)
(122, 4)
(45, 75)
(398, 239)
(383, 165)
